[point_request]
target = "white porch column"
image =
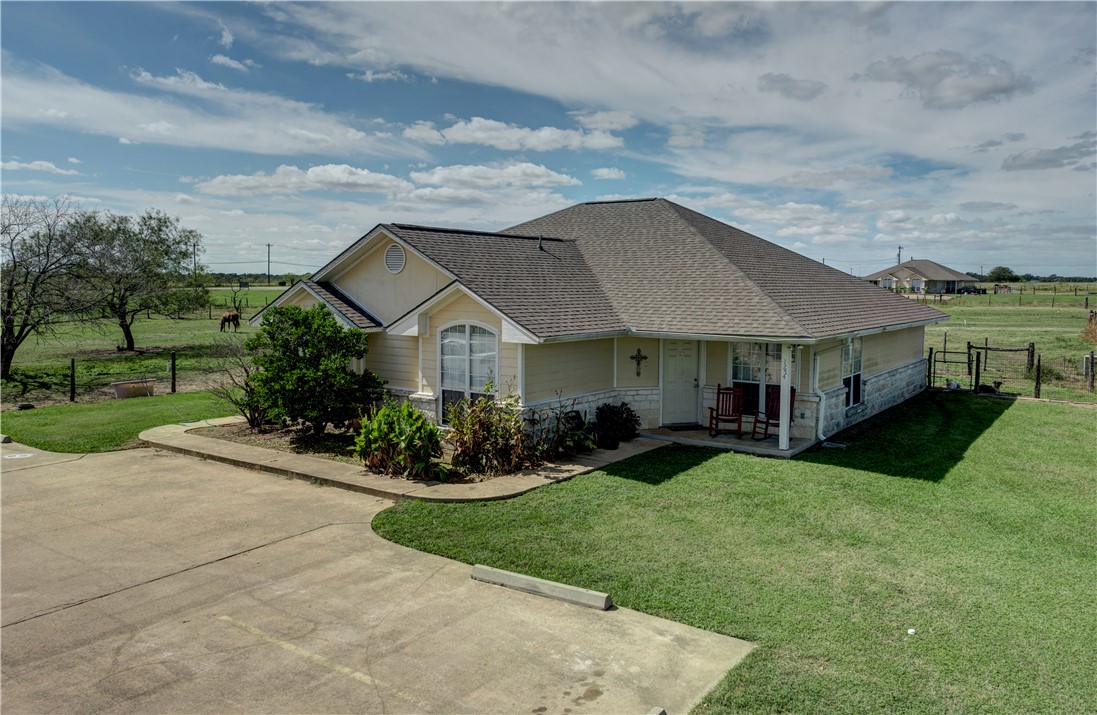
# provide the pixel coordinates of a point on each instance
(786, 397)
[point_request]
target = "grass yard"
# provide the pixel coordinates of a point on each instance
(968, 519)
(106, 426)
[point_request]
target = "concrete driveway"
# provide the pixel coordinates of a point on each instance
(144, 581)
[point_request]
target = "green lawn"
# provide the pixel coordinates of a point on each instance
(970, 520)
(106, 426)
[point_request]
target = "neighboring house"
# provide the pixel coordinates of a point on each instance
(640, 301)
(921, 276)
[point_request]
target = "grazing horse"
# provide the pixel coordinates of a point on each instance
(230, 318)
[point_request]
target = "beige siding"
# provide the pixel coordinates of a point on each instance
(830, 364)
(885, 351)
(463, 309)
(716, 363)
(395, 359)
(388, 295)
(882, 352)
(301, 298)
(572, 368)
(626, 367)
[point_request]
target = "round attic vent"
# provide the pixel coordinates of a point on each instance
(394, 258)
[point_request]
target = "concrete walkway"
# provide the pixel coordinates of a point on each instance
(176, 438)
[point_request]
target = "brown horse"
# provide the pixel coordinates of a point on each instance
(230, 318)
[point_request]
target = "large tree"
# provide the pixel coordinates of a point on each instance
(132, 265)
(40, 254)
(1002, 274)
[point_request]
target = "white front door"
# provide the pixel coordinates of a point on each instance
(680, 381)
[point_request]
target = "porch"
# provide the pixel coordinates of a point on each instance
(700, 438)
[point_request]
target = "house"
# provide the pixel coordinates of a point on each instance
(643, 301)
(921, 276)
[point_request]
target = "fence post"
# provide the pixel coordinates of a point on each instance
(210, 306)
(1031, 358)
(72, 380)
(975, 385)
(930, 372)
(173, 372)
(1037, 394)
(1092, 369)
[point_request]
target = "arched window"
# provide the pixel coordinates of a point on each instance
(470, 356)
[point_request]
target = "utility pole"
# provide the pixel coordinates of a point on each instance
(900, 255)
(268, 264)
(194, 259)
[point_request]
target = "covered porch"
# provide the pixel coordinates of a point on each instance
(700, 437)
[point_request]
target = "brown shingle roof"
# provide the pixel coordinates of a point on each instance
(930, 270)
(544, 285)
(346, 306)
(668, 269)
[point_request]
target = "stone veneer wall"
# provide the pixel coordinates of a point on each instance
(879, 392)
(644, 400)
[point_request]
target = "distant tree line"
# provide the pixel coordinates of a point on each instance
(1003, 274)
(257, 279)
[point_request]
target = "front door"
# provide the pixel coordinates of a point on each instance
(680, 382)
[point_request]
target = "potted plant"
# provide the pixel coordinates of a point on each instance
(616, 424)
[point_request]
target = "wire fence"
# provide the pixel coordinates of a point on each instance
(1013, 370)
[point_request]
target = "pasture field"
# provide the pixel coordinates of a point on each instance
(41, 370)
(1001, 322)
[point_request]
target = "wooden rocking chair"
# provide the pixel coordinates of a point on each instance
(729, 408)
(763, 421)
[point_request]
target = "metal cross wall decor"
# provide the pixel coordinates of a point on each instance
(638, 358)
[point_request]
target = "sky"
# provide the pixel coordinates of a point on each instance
(964, 133)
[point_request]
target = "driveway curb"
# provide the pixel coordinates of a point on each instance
(176, 438)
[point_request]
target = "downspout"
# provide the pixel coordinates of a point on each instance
(819, 392)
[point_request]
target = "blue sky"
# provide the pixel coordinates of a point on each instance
(964, 132)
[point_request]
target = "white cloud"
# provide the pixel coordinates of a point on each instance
(227, 37)
(47, 166)
(238, 65)
(784, 85)
(511, 137)
(424, 132)
(682, 136)
(292, 180)
(824, 179)
(606, 120)
(74, 160)
(189, 112)
(465, 176)
(1064, 156)
(607, 173)
(948, 80)
(386, 76)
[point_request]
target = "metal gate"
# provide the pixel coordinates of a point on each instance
(950, 366)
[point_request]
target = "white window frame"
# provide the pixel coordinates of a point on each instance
(853, 358)
(467, 387)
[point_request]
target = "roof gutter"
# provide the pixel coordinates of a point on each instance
(795, 340)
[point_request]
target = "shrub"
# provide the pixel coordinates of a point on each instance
(238, 387)
(561, 431)
(620, 421)
(489, 436)
(400, 441)
(305, 375)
